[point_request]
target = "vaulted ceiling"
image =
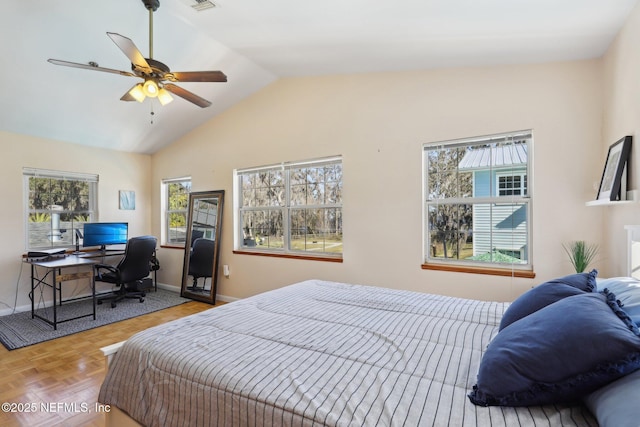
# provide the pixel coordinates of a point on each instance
(255, 42)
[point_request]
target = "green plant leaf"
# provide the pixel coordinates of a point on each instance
(581, 254)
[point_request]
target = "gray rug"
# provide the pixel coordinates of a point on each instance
(20, 330)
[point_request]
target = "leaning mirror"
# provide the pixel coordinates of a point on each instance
(202, 247)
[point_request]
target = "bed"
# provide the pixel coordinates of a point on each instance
(326, 353)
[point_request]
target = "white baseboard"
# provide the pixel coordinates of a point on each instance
(177, 289)
(8, 311)
(226, 298)
(171, 288)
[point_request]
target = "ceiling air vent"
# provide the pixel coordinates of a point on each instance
(200, 5)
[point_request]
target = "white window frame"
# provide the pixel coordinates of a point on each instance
(61, 232)
(492, 199)
(283, 206)
(166, 211)
(523, 183)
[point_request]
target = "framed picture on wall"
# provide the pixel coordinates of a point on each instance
(617, 158)
(127, 200)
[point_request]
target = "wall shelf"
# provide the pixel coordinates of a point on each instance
(609, 202)
(631, 197)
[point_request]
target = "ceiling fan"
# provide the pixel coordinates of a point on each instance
(157, 78)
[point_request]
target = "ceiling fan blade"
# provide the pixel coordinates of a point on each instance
(185, 94)
(89, 67)
(198, 76)
(133, 53)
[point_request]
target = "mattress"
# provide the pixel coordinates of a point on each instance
(320, 353)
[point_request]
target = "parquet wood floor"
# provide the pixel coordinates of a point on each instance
(61, 378)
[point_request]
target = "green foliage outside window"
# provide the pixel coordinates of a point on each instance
(56, 205)
(40, 217)
(296, 208)
(177, 202)
(72, 195)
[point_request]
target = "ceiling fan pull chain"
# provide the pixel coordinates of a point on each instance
(152, 113)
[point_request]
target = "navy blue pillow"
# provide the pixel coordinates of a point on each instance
(559, 354)
(584, 281)
(548, 293)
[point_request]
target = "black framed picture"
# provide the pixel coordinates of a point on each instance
(617, 158)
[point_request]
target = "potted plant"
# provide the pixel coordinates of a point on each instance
(581, 254)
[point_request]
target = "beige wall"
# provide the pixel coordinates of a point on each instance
(378, 123)
(622, 117)
(116, 170)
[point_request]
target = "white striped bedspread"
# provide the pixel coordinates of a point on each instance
(319, 353)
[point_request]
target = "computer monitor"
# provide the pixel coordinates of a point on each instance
(105, 233)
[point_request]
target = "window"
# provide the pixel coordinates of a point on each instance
(175, 199)
(57, 204)
(477, 202)
(509, 185)
(292, 208)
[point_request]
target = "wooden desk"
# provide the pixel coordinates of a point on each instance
(53, 268)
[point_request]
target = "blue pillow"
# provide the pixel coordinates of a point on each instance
(616, 404)
(584, 281)
(548, 293)
(558, 354)
(627, 290)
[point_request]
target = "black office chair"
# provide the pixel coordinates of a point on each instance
(201, 262)
(154, 266)
(195, 235)
(130, 272)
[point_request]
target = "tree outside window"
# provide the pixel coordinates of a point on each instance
(477, 204)
(176, 193)
(293, 208)
(57, 204)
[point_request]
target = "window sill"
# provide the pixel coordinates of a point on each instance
(527, 274)
(291, 256)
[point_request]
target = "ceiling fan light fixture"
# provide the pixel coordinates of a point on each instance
(156, 77)
(150, 88)
(164, 96)
(137, 92)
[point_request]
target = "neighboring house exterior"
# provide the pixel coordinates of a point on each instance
(499, 171)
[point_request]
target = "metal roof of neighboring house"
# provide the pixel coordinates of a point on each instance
(494, 157)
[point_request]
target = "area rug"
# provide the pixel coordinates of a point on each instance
(20, 330)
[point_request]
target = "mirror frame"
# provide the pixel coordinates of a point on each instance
(185, 292)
